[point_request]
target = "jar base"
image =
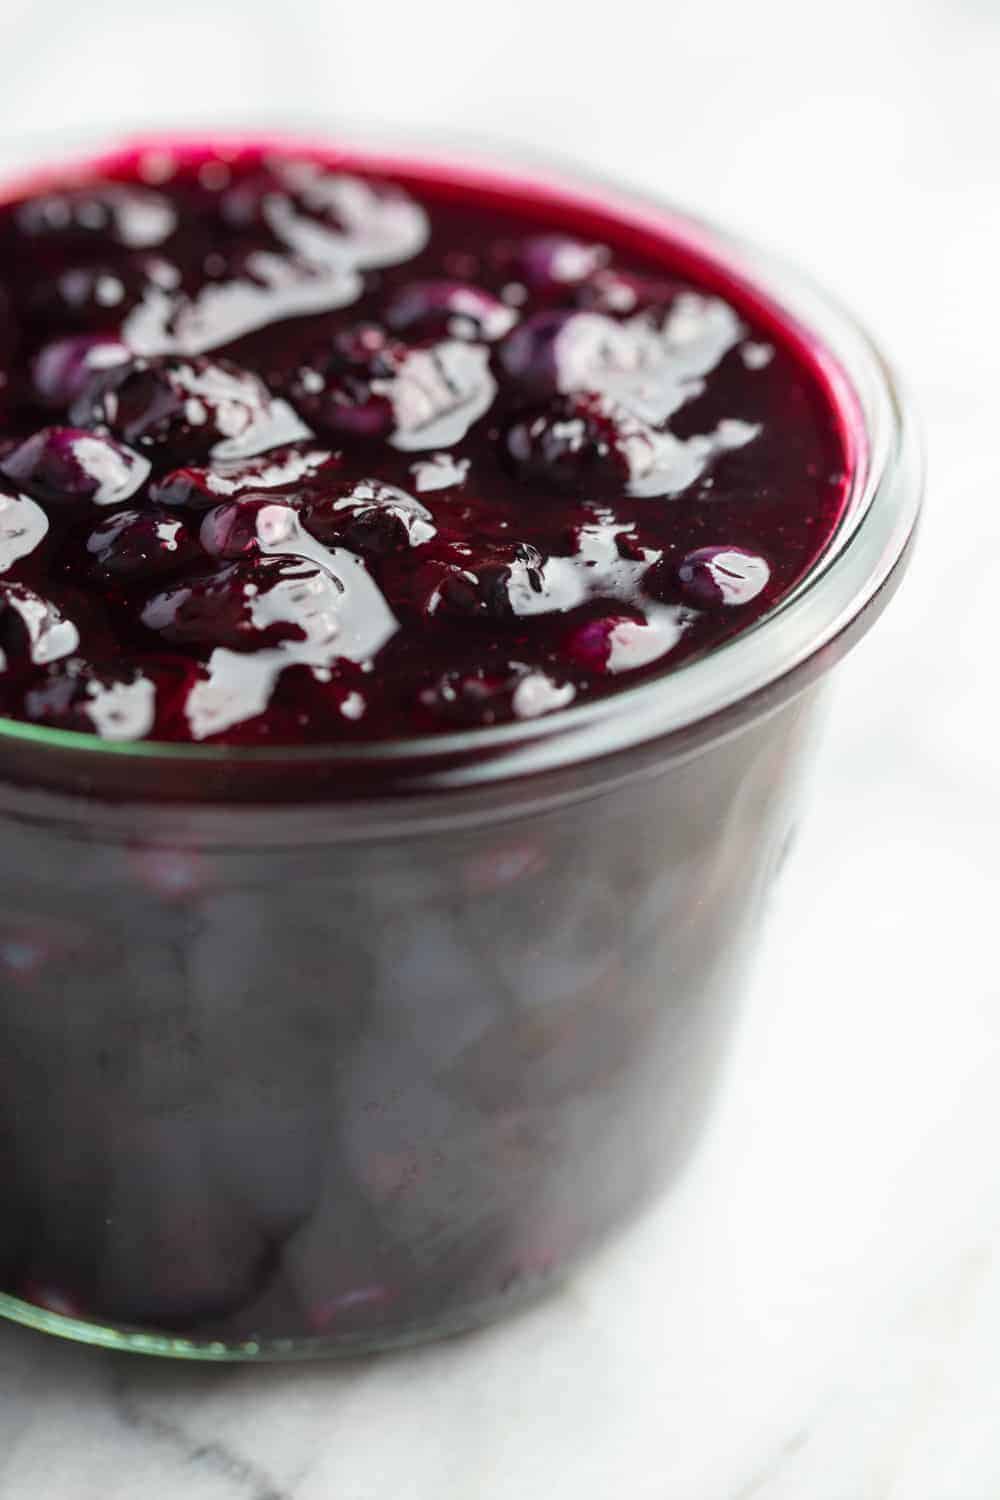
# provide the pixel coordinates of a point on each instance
(347, 1345)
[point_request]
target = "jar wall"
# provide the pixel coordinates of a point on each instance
(349, 1092)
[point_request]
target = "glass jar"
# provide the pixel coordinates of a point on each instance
(325, 1049)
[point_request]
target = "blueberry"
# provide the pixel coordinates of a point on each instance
(169, 403)
(475, 696)
(199, 487)
(247, 203)
(448, 309)
(380, 223)
(95, 297)
(561, 350)
(495, 694)
(23, 527)
(370, 387)
(70, 466)
(529, 354)
(326, 215)
(375, 224)
(267, 617)
(659, 580)
(367, 348)
(344, 390)
(574, 443)
(623, 640)
(189, 488)
(551, 263)
(249, 527)
(134, 546)
(590, 644)
(62, 369)
(299, 240)
(116, 701)
(721, 576)
(33, 631)
(485, 580)
(124, 214)
(247, 606)
(370, 517)
(648, 365)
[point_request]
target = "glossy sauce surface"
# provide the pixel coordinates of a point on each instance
(292, 453)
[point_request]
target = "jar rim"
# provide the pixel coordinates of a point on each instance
(704, 698)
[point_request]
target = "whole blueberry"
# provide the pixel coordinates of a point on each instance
(575, 443)
(344, 389)
(62, 369)
(33, 631)
(231, 607)
(281, 470)
(250, 527)
(711, 577)
(119, 700)
(97, 297)
(529, 355)
(171, 403)
(448, 309)
(489, 581)
(369, 517)
(133, 546)
(71, 466)
(552, 263)
(125, 214)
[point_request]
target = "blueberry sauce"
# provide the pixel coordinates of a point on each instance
(291, 452)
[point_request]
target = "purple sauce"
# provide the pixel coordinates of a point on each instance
(294, 453)
(303, 449)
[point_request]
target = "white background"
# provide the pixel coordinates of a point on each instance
(814, 1314)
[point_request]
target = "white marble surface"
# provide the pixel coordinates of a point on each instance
(815, 1313)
